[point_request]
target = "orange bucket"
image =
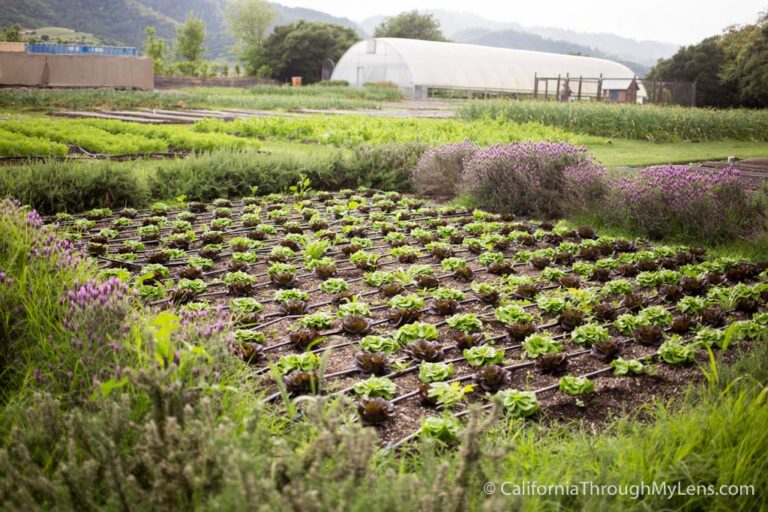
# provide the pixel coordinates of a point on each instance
(296, 81)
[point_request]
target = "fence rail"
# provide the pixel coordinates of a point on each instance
(614, 90)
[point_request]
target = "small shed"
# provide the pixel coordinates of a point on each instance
(620, 90)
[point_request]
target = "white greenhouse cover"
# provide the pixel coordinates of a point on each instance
(414, 64)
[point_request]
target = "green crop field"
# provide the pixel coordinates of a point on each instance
(645, 122)
(263, 98)
(351, 131)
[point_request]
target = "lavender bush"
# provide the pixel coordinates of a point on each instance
(675, 200)
(439, 170)
(66, 333)
(528, 178)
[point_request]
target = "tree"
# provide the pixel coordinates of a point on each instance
(12, 34)
(155, 48)
(189, 40)
(249, 20)
(730, 69)
(411, 25)
(299, 49)
(700, 63)
(746, 63)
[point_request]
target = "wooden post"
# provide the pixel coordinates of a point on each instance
(693, 94)
(535, 86)
(600, 88)
(546, 88)
(580, 80)
(557, 89)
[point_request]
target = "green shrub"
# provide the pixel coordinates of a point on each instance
(383, 166)
(54, 186)
(232, 174)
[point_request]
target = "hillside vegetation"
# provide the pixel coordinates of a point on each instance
(123, 21)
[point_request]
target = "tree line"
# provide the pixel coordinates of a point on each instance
(295, 49)
(730, 69)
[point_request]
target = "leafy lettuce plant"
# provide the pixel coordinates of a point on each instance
(246, 336)
(374, 387)
(674, 352)
(626, 323)
(467, 323)
(483, 355)
(411, 301)
(192, 285)
(319, 320)
(551, 304)
(537, 344)
(518, 404)
(576, 386)
(353, 308)
(379, 344)
(304, 362)
(617, 287)
(415, 331)
(283, 296)
(435, 372)
(453, 264)
(691, 305)
(707, 337)
(512, 314)
(588, 334)
(656, 315)
(334, 285)
(448, 294)
(444, 429)
(378, 278)
(448, 394)
(627, 367)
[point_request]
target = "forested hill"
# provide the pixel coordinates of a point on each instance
(124, 21)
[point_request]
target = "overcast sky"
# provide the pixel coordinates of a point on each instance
(674, 21)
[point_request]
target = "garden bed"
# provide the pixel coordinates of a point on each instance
(419, 311)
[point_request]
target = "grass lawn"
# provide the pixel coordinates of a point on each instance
(622, 152)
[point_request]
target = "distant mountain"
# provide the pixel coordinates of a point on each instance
(645, 52)
(516, 39)
(450, 22)
(123, 21)
(293, 14)
(468, 27)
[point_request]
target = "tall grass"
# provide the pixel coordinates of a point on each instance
(36, 268)
(646, 122)
(711, 439)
